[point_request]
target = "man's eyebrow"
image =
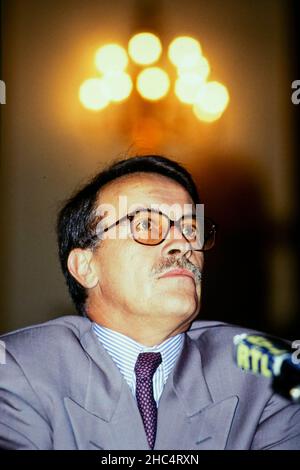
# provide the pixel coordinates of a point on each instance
(138, 208)
(145, 207)
(188, 214)
(156, 208)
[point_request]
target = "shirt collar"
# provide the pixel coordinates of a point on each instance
(124, 350)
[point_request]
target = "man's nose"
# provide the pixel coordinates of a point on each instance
(176, 244)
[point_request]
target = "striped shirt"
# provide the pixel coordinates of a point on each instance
(124, 352)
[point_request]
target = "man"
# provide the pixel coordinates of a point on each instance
(135, 371)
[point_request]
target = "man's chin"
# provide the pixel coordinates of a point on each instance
(175, 305)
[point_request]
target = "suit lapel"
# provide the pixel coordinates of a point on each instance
(107, 417)
(187, 406)
(124, 431)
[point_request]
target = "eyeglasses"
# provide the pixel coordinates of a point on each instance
(150, 227)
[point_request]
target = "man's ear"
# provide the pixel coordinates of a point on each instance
(80, 266)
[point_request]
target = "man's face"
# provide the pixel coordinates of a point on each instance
(130, 273)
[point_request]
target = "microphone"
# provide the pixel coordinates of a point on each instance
(271, 358)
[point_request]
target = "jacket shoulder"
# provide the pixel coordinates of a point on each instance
(217, 329)
(46, 336)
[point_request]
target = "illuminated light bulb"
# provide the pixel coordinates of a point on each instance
(144, 48)
(212, 97)
(94, 94)
(184, 51)
(204, 116)
(119, 85)
(211, 101)
(111, 58)
(187, 86)
(153, 83)
(201, 68)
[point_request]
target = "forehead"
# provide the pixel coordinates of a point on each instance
(144, 189)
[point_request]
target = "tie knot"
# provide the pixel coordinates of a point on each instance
(146, 364)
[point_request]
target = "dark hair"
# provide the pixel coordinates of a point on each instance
(75, 227)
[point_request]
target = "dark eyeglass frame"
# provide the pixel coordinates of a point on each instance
(172, 223)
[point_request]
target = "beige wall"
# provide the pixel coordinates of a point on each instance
(50, 144)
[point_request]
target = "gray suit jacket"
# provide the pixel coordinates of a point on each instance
(59, 389)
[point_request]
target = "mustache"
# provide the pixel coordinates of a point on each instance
(180, 263)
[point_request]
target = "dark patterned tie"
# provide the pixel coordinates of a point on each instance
(145, 366)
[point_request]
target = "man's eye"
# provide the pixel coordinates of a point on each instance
(143, 225)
